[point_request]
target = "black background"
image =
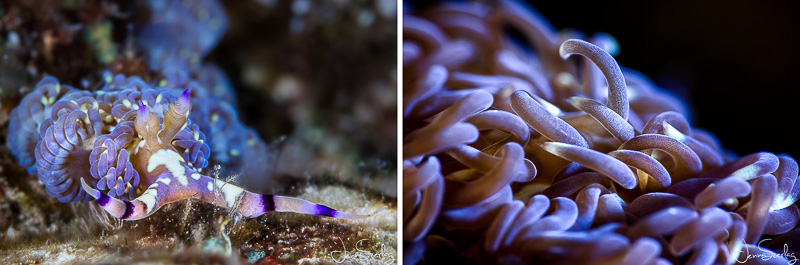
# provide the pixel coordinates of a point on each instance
(736, 63)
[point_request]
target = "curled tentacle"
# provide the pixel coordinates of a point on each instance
(687, 163)
(534, 210)
(446, 139)
(426, 181)
(786, 175)
(617, 90)
(500, 226)
(483, 162)
(432, 82)
(646, 164)
(475, 216)
(463, 193)
(783, 220)
(587, 200)
(762, 196)
(676, 120)
(643, 251)
(662, 222)
(611, 167)
(720, 191)
(747, 167)
(710, 157)
(569, 185)
(499, 86)
(543, 122)
(563, 216)
(501, 120)
(613, 122)
(447, 127)
(649, 203)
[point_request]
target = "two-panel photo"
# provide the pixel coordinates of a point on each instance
(399, 132)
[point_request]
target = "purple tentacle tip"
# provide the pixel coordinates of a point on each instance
(185, 94)
(183, 105)
(142, 108)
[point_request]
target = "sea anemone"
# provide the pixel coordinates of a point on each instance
(547, 151)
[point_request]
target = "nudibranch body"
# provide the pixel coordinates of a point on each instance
(133, 148)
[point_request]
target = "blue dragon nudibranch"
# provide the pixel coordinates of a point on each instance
(135, 148)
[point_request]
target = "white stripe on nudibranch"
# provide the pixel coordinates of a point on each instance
(149, 199)
(230, 191)
(196, 176)
(210, 186)
(140, 145)
(170, 159)
(165, 180)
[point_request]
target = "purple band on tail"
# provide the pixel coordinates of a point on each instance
(325, 211)
(128, 210)
(267, 202)
(142, 108)
(103, 200)
(185, 94)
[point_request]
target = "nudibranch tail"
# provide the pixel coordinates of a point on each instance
(251, 204)
(211, 190)
(139, 208)
(295, 205)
